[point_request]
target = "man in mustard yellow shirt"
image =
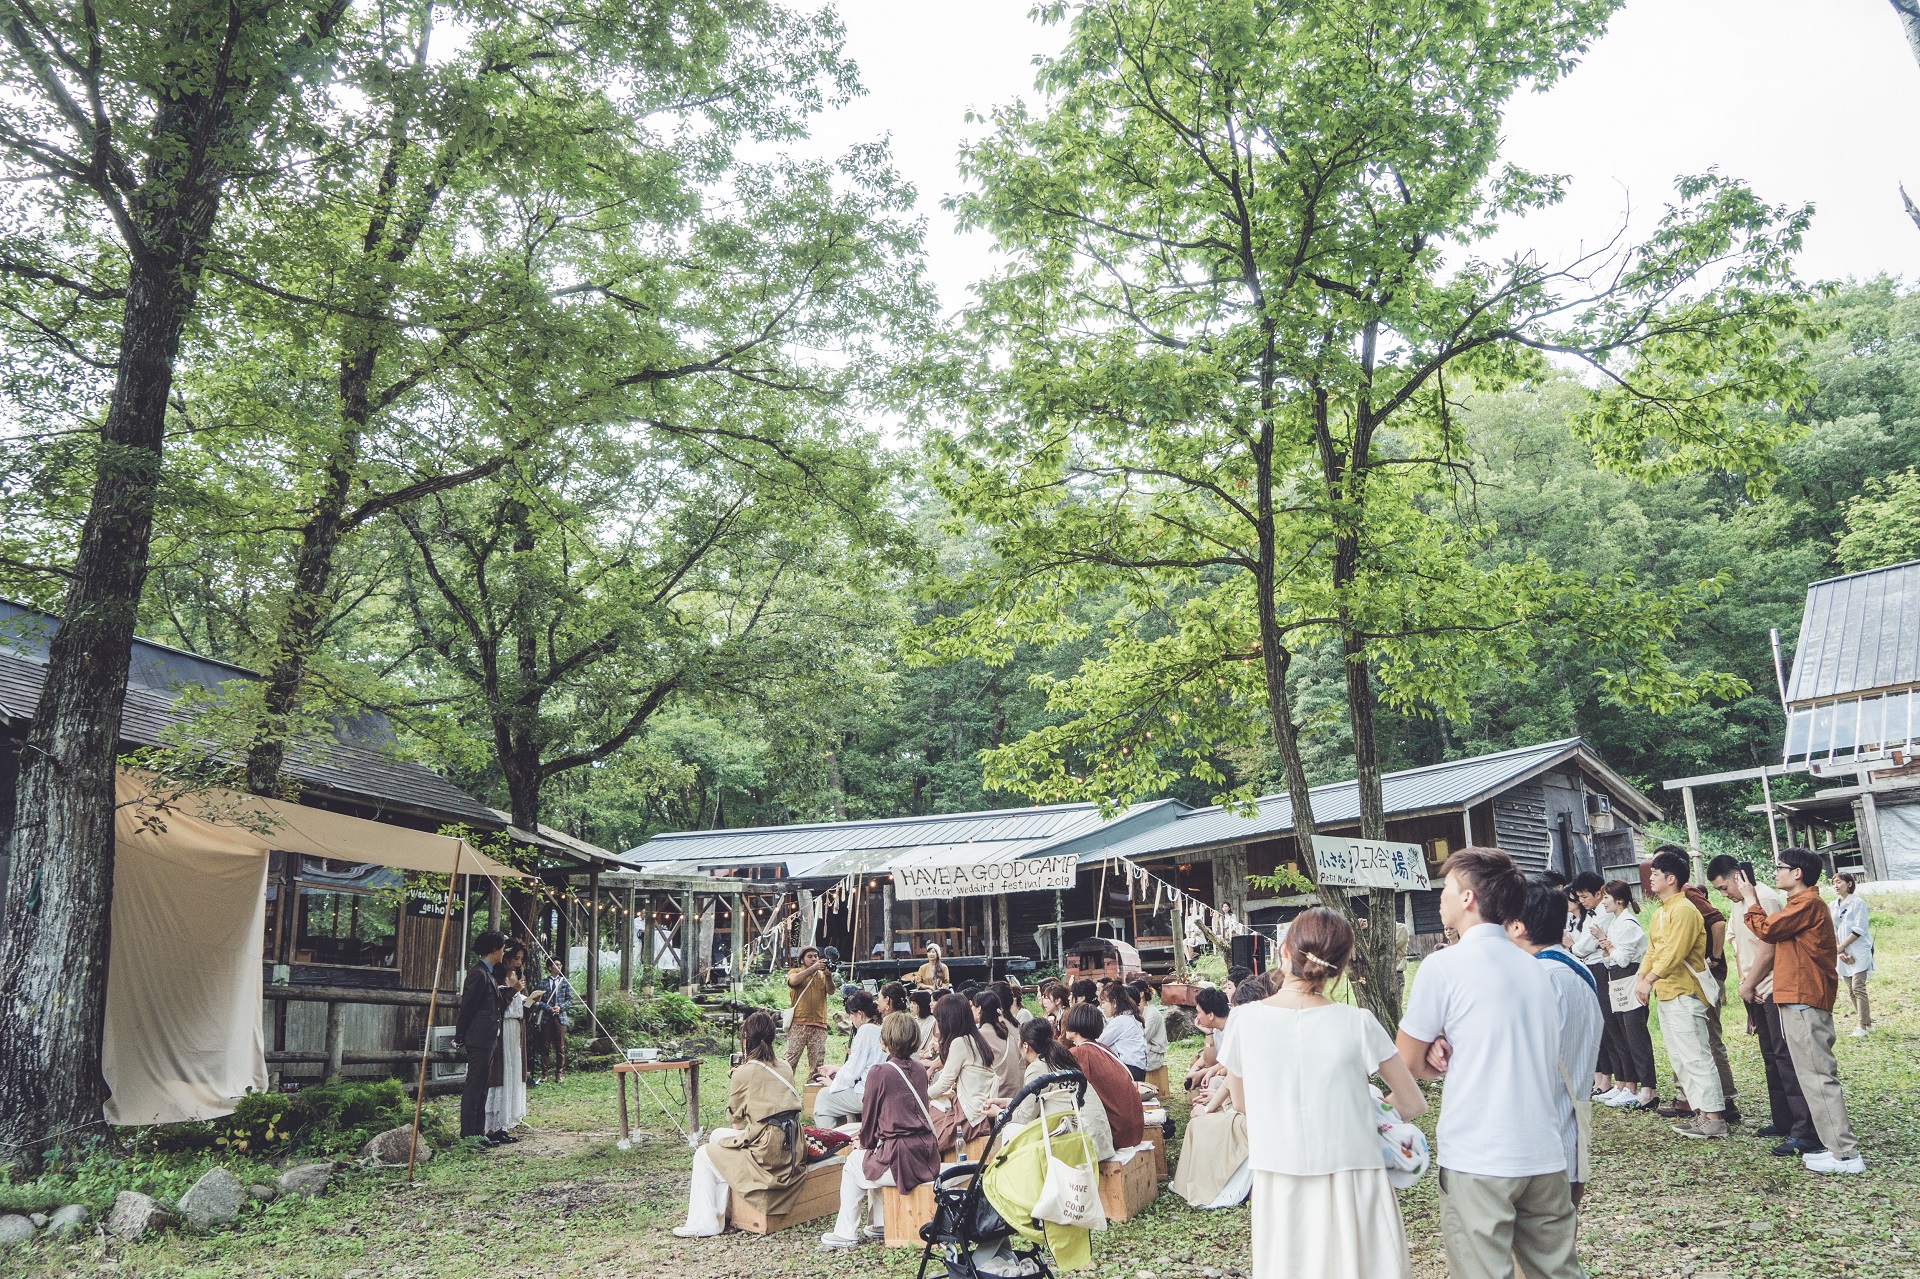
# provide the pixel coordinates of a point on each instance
(1671, 972)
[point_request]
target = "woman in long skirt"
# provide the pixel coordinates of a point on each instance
(507, 1098)
(1298, 1066)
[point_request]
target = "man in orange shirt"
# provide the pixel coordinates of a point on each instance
(1805, 981)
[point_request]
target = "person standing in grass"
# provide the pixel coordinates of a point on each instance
(1672, 972)
(808, 986)
(1788, 1117)
(1716, 926)
(1483, 1016)
(1298, 1067)
(1622, 946)
(1855, 941)
(1805, 982)
(1539, 930)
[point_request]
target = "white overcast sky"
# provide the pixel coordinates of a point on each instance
(1809, 100)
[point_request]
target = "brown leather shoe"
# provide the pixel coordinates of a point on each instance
(1680, 1109)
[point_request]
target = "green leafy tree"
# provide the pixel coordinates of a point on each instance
(123, 131)
(1241, 299)
(1883, 523)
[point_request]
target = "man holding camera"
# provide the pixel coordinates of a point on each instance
(1805, 981)
(808, 985)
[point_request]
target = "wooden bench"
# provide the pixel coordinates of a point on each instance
(1159, 1140)
(1127, 1188)
(807, 1094)
(819, 1196)
(1158, 1078)
(905, 1214)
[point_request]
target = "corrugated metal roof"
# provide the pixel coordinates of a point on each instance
(819, 848)
(832, 850)
(1858, 633)
(1414, 790)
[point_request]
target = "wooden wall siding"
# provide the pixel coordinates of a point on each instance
(370, 1028)
(1566, 796)
(419, 937)
(1027, 912)
(1520, 826)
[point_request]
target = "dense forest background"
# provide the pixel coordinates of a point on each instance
(875, 731)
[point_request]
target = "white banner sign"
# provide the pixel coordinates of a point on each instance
(980, 879)
(1364, 863)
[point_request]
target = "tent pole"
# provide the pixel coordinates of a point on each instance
(433, 999)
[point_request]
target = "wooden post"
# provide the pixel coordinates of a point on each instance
(1773, 832)
(1693, 834)
(494, 913)
(737, 934)
(433, 1003)
(593, 940)
(886, 907)
(689, 970)
(626, 944)
(563, 935)
(1466, 825)
(336, 1037)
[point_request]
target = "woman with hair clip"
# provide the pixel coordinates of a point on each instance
(1041, 1054)
(999, 1035)
(965, 1079)
(1010, 1004)
(1298, 1067)
(762, 1154)
(1125, 1033)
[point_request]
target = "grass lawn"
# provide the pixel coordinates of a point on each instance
(566, 1202)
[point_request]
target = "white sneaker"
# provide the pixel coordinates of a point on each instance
(688, 1232)
(1861, 1032)
(1824, 1161)
(838, 1241)
(1620, 1097)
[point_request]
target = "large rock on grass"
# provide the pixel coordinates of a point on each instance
(135, 1215)
(14, 1231)
(390, 1147)
(214, 1200)
(308, 1179)
(69, 1221)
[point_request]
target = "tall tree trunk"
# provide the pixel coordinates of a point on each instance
(53, 958)
(1377, 950)
(837, 785)
(299, 630)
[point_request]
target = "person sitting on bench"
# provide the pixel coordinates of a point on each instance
(896, 1146)
(763, 1155)
(840, 1099)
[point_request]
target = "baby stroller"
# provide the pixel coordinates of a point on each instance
(965, 1220)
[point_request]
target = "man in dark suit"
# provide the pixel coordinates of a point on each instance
(477, 1031)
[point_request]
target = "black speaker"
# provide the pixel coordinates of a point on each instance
(1249, 952)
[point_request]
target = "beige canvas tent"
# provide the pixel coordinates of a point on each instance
(183, 1036)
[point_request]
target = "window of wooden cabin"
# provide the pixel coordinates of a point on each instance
(344, 928)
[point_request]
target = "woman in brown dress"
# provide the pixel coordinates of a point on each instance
(896, 1146)
(762, 1155)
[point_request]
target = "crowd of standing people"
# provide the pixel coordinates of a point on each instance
(1536, 1009)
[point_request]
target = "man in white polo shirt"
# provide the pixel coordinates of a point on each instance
(1483, 1015)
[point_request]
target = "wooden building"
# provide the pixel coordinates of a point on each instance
(1853, 722)
(1552, 806)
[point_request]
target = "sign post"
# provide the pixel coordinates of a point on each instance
(1367, 863)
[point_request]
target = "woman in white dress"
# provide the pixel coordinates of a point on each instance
(1854, 938)
(507, 1099)
(1298, 1067)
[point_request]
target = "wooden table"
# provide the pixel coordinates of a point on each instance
(691, 1088)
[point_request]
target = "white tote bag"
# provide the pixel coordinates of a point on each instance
(1070, 1193)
